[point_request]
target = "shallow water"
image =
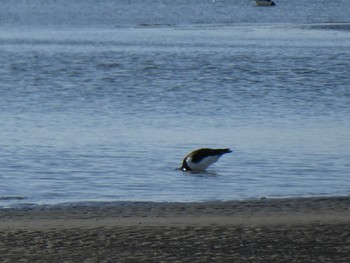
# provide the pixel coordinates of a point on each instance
(101, 101)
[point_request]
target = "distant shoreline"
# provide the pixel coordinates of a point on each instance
(290, 229)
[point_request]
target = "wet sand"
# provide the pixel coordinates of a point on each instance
(266, 230)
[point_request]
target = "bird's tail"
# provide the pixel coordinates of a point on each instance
(223, 151)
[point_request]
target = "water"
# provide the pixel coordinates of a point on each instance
(101, 100)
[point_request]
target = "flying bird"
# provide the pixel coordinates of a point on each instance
(200, 159)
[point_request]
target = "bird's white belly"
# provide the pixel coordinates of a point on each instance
(203, 164)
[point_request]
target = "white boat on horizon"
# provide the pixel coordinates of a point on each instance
(265, 3)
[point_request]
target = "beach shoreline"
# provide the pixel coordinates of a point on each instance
(277, 230)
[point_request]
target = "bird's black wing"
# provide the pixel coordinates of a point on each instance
(200, 154)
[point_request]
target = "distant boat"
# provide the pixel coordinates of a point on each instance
(265, 2)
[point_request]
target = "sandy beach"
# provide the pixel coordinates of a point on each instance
(266, 230)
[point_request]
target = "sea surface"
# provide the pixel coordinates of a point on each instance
(101, 100)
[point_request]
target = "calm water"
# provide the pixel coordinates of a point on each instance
(100, 100)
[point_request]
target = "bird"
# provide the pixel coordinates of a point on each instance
(200, 159)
